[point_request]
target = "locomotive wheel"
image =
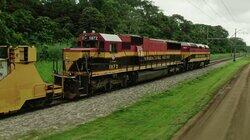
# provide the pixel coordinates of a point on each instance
(108, 87)
(34, 104)
(72, 90)
(90, 91)
(125, 81)
(71, 96)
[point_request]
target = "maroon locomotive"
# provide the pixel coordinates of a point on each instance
(104, 61)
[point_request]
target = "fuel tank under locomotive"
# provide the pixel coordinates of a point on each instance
(150, 75)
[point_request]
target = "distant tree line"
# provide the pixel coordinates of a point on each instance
(51, 21)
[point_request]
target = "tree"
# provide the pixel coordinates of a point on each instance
(9, 20)
(44, 30)
(24, 21)
(34, 6)
(59, 8)
(9, 37)
(98, 4)
(51, 21)
(112, 20)
(238, 43)
(5, 33)
(3, 5)
(66, 24)
(91, 19)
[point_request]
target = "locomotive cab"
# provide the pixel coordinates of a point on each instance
(81, 61)
(95, 52)
(91, 40)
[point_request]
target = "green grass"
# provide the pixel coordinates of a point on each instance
(220, 56)
(155, 117)
(45, 69)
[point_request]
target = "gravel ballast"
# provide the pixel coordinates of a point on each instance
(69, 115)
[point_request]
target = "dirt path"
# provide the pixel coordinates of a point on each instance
(229, 119)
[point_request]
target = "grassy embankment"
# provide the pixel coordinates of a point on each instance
(159, 116)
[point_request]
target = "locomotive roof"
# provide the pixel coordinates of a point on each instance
(167, 41)
(111, 38)
(132, 35)
(173, 41)
(157, 39)
(195, 45)
(186, 43)
(201, 45)
(190, 44)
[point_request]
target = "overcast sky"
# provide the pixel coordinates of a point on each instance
(212, 12)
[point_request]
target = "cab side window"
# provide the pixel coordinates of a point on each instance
(101, 46)
(113, 48)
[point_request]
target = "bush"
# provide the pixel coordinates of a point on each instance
(53, 51)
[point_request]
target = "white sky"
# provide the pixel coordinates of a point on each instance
(212, 12)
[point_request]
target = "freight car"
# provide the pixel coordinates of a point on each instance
(100, 62)
(105, 61)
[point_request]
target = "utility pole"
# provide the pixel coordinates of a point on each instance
(235, 35)
(233, 44)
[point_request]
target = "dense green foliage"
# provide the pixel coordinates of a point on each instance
(52, 52)
(50, 21)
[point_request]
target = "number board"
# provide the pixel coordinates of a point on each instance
(90, 38)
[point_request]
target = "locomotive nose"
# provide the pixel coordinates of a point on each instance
(76, 59)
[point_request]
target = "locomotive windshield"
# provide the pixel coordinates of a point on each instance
(3, 52)
(90, 44)
(94, 44)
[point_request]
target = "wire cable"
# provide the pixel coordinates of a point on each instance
(211, 8)
(228, 11)
(197, 7)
